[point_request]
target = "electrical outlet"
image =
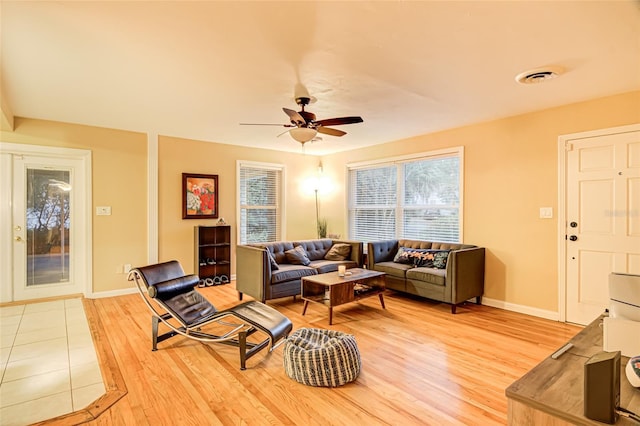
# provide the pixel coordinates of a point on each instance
(126, 268)
(103, 211)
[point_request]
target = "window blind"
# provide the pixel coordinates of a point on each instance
(373, 199)
(417, 198)
(260, 203)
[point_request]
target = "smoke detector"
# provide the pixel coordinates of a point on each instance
(539, 75)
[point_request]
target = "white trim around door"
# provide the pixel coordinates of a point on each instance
(8, 151)
(564, 146)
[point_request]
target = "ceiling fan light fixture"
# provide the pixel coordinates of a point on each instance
(303, 134)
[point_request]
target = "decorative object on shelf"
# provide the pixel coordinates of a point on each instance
(221, 221)
(199, 196)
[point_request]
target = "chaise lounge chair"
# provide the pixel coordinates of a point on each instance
(186, 312)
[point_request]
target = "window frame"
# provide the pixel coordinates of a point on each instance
(400, 205)
(280, 196)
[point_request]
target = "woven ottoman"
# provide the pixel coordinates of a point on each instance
(318, 357)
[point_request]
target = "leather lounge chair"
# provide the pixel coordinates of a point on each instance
(173, 300)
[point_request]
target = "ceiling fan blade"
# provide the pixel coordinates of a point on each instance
(296, 118)
(338, 121)
(330, 131)
(266, 124)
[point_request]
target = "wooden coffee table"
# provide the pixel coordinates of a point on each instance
(332, 290)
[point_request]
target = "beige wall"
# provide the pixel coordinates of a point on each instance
(177, 156)
(510, 172)
(119, 178)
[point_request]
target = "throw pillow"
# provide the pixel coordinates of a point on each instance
(424, 258)
(410, 256)
(297, 256)
(272, 260)
(440, 259)
(338, 251)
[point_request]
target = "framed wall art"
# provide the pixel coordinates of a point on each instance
(199, 196)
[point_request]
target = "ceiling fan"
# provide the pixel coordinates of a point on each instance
(303, 124)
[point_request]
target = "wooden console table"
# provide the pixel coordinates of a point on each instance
(552, 393)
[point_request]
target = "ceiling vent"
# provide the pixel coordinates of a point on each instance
(538, 75)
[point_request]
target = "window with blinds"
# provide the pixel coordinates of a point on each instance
(414, 198)
(260, 202)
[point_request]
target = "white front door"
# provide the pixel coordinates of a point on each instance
(602, 219)
(47, 225)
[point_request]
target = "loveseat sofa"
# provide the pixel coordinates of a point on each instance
(446, 272)
(272, 270)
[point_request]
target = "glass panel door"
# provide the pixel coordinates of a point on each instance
(47, 210)
(48, 219)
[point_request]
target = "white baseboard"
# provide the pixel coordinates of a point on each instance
(112, 293)
(522, 309)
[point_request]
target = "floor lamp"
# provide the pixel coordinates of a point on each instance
(317, 186)
(317, 214)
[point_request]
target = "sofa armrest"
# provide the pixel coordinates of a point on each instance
(465, 274)
(381, 251)
(253, 271)
(357, 253)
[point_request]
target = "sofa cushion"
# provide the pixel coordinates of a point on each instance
(430, 275)
(316, 249)
(297, 256)
(392, 268)
(324, 266)
(338, 251)
(289, 272)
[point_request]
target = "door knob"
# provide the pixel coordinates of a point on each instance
(573, 238)
(18, 238)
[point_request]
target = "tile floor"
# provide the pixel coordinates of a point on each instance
(48, 364)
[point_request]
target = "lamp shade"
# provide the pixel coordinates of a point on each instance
(303, 134)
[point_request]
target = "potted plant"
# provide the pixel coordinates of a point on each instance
(322, 228)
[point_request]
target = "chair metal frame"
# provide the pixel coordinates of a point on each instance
(237, 333)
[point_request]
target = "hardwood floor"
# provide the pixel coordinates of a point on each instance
(420, 365)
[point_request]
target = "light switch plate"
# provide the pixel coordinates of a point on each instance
(546, 212)
(103, 211)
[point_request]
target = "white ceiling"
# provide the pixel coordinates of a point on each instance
(198, 69)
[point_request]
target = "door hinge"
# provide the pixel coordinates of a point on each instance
(568, 146)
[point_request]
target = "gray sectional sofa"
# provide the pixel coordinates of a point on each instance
(460, 279)
(259, 277)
